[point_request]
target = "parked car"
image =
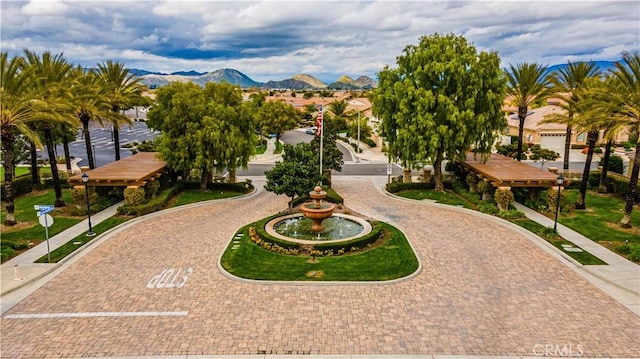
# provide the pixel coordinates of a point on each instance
(311, 130)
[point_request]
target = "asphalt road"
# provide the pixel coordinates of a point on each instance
(102, 141)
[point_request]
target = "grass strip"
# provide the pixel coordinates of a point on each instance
(547, 234)
(79, 241)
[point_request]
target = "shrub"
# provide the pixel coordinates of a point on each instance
(156, 204)
(134, 196)
(635, 255)
(615, 164)
(548, 232)
(78, 195)
(371, 143)
(597, 150)
(152, 188)
(451, 166)
(488, 208)
(472, 182)
(552, 198)
(623, 249)
(21, 185)
(511, 214)
(504, 197)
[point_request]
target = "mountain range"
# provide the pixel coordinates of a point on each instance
(297, 82)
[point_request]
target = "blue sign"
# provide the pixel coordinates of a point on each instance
(45, 211)
(42, 207)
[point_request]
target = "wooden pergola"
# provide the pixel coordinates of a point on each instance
(503, 171)
(133, 171)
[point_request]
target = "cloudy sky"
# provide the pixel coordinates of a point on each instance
(273, 40)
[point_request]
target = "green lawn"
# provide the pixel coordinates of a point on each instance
(600, 221)
(261, 149)
(448, 197)
(394, 259)
(81, 240)
(21, 171)
(192, 196)
(544, 232)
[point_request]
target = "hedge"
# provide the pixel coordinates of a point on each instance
(332, 196)
(22, 185)
(155, 204)
(616, 183)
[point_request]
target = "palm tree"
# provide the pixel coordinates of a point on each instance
(18, 113)
(48, 79)
(122, 90)
(526, 83)
(566, 84)
(620, 97)
(89, 103)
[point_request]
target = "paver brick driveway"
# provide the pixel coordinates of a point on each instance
(484, 289)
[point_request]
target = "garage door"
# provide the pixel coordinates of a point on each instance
(554, 142)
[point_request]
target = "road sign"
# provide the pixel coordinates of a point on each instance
(389, 169)
(41, 207)
(45, 211)
(46, 220)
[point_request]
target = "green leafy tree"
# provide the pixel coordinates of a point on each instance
(527, 83)
(178, 112)
(234, 123)
(543, 155)
(567, 82)
(278, 117)
(444, 98)
(295, 174)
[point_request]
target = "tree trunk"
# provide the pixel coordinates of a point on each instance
(87, 141)
(232, 176)
(35, 169)
(567, 147)
(67, 155)
(605, 167)
(48, 138)
(7, 197)
(522, 115)
(116, 141)
(592, 137)
(633, 188)
(203, 179)
(437, 173)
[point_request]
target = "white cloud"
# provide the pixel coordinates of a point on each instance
(45, 8)
(268, 40)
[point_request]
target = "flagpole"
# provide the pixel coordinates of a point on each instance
(321, 135)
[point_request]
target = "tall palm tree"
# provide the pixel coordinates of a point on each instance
(48, 80)
(18, 112)
(566, 83)
(123, 89)
(90, 103)
(620, 97)
(526, 83)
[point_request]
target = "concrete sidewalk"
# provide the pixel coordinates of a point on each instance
(620, 278)
(21, 270)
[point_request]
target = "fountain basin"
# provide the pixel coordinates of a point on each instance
(317, 213)
(325, 236)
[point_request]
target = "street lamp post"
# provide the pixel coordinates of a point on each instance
(85, 180)
(559, 181)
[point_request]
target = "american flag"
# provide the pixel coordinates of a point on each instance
(319, 122)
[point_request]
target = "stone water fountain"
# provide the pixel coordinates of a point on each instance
(316, 210)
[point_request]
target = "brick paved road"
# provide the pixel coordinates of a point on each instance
(484, 290)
